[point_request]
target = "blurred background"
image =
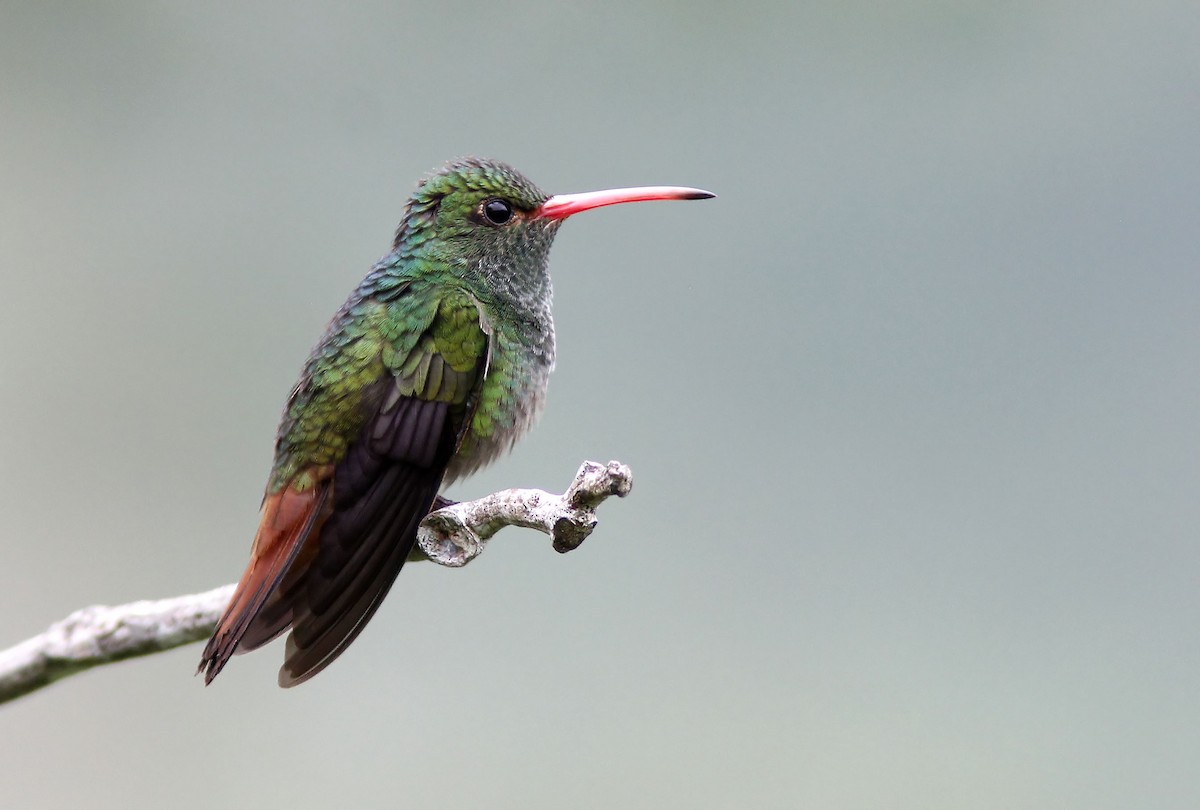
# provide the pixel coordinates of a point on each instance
(911, 408)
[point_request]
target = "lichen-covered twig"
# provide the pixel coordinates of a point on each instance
(453, 535)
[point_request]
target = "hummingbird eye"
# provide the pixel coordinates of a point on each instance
(498, 212)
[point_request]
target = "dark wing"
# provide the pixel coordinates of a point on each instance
(334, 579)
(381, 495)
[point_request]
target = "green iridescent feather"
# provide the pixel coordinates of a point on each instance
(435, 305)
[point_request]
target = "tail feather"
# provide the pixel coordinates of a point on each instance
(289, 519)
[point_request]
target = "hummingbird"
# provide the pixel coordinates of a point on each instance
(435, 365)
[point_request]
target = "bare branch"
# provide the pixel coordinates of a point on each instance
(456, 534)
(101, 635)
(453, 535)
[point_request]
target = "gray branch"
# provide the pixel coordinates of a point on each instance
(453, 535)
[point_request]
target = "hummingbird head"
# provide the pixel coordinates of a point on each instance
(485, 220)
(478, 216)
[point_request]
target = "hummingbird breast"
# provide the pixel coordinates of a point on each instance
(513, 391)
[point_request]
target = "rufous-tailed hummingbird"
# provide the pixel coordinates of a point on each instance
(433, 367)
